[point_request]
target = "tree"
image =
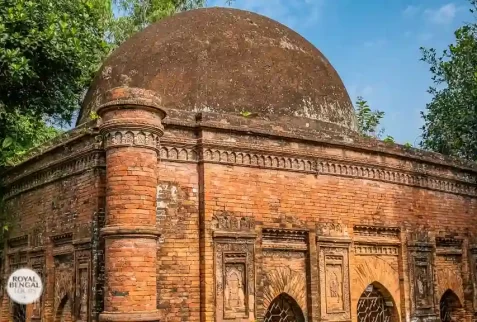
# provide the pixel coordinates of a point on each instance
(369, 121)
(49, 50)
(49, 53)
(450, 119)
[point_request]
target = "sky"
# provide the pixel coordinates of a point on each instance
(374, 46)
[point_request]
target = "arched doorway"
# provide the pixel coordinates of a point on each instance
(19, 312)
(284, 309)
(450, 308)
(376, 305)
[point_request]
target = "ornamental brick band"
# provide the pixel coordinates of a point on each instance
(129, 96)
(140, 232)
(129, 317)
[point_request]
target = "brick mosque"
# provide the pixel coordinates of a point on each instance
(216, 174)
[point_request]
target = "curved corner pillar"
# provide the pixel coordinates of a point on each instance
(131, 125)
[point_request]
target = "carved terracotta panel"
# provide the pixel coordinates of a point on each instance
(38, 265)
(234, 273)
(421, 273)
(473, 270)
(82, 286)
(234, 290)
(334, 284)
(226, 221)
(64, 276)
(83, 294)
(422, 285)
(333, 263)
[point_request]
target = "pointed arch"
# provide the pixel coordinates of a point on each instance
(376, 304)
(284, 308)
(450, 307)
(64, 310)
(376, 271)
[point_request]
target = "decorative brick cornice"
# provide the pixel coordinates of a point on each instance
(449, 246)
(376, 240)
(335, 233)
(284, 239)
(387, 250)
(62, 239)
(288, 234)
(61, 169)
(179, 153)
(377, 231)
(473, 247)
(114, 138)
(421, 240)
(449, 242)
(18, 242)
(339, 139)
(294, 161)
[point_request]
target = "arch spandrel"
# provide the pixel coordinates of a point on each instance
(284, 280)
(448, 279)
(375, 271)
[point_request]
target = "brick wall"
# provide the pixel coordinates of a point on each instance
(272, 195)
(268, 194)
(189, 193)
(178, 269)
(66, 205)
(54, 198)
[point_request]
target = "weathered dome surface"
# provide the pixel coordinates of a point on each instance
(227, 61)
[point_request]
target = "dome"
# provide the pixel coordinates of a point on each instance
(226, 61)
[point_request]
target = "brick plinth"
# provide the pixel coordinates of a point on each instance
(131, 134)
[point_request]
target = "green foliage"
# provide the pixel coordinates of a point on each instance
(22, 133)
(407, 145)
(248, 114)
(368, 120)
(389, 139)
(93, 115)
(450, 125)
(49, 51)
